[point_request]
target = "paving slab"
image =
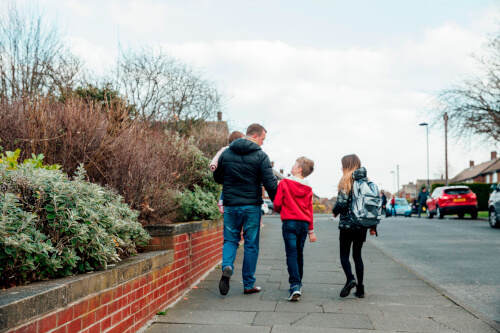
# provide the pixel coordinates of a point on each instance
(396, 299)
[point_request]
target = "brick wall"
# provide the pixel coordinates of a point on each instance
(127, 307)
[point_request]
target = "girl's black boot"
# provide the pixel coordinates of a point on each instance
(360, 291)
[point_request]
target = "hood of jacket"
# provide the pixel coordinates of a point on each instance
(244, 146)
(300, 187)
(359, 173)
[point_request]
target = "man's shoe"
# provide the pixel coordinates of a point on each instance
(295, 293)
(360, 291)
(347, 288)
(224, 280)
(255, 289)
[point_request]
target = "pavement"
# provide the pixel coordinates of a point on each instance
(396, 299)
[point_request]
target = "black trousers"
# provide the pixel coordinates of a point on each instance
(356, 238)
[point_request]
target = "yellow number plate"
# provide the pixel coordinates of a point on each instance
(459, 200)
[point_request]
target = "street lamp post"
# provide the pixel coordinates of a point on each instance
(393, 182)
(427, 128)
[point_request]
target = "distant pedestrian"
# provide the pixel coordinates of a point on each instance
(384, 202)
(294, 203)
(243, 169)
(350, 233)
(393, 205)
(422, 200)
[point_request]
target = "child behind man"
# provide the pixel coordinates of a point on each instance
(215, 162)
(294, 203)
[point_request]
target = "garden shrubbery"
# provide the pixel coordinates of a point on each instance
(152, 167)
(52, 226)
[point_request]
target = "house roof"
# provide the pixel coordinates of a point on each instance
(474, 171)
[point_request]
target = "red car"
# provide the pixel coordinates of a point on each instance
(450, 200)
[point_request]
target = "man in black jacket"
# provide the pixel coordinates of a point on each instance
(422, 200)
(243, 169)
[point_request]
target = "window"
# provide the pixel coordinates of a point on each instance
(488, 179)
(495, 178)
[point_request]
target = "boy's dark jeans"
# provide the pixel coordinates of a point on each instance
(295, 234)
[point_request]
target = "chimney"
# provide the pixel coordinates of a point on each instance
(281, 171)
(272, 164)
(471, 163)
(493, 155)
(219, 116)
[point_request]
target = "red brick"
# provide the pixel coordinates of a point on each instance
(156, 241)
(116, 318)
(81, 309)
(117, 292)
(113, 307)
(88, 319)
(47, 323)
(30, 328)
(64, 316)
(96, 328)
(101, 313)
(105, 324)
(106, 297)
(127, 288)
(94, 303)
(60, 330)
(75, 325)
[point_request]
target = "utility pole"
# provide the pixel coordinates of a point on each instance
(446, 145)
(428, 181)
(393, 182)
(398, 177)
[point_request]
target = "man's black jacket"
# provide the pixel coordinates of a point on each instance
(243, 168)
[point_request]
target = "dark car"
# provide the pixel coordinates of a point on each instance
(450, 200)
(494, 207)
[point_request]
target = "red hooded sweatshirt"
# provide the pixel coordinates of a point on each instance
(294, 200)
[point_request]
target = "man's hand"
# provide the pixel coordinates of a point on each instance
(373, 231)
(312, 237)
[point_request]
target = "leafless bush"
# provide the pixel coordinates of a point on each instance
(147, 166)
(33, 57)
(164, 89)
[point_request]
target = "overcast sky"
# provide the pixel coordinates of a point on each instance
(326, 78)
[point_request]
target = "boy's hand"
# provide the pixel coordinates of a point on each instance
(312, 237)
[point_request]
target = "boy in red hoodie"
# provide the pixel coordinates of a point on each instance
(294, 203)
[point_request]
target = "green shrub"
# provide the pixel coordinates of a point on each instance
(481, 190)
(52, 226)
(198, 204)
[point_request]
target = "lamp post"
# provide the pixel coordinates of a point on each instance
(427, 128)
(446, 146)
(393, 182)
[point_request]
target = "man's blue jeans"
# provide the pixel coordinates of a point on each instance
(246, 218)
(295, 234)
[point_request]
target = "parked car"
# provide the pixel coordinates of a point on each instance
(265, 209)
(494, 207)
(402, 208)
(449, 200)
(270, 205)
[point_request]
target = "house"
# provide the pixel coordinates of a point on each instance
(409, 191)
(486, 172)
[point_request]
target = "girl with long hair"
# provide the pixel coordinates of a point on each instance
(350, 233)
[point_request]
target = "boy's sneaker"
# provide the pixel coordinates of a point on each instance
(347, 288)
(224, 280)
(294, 293)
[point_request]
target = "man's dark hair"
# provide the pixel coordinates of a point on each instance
(255, 129)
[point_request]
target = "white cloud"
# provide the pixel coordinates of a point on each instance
(325, 103)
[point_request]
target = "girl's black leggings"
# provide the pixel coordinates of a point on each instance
(345, 248)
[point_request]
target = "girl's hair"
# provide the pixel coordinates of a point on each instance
(234, 136)
(350, 163)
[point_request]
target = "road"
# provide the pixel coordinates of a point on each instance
(462, 257)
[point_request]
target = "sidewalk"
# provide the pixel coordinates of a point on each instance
(396, 299)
